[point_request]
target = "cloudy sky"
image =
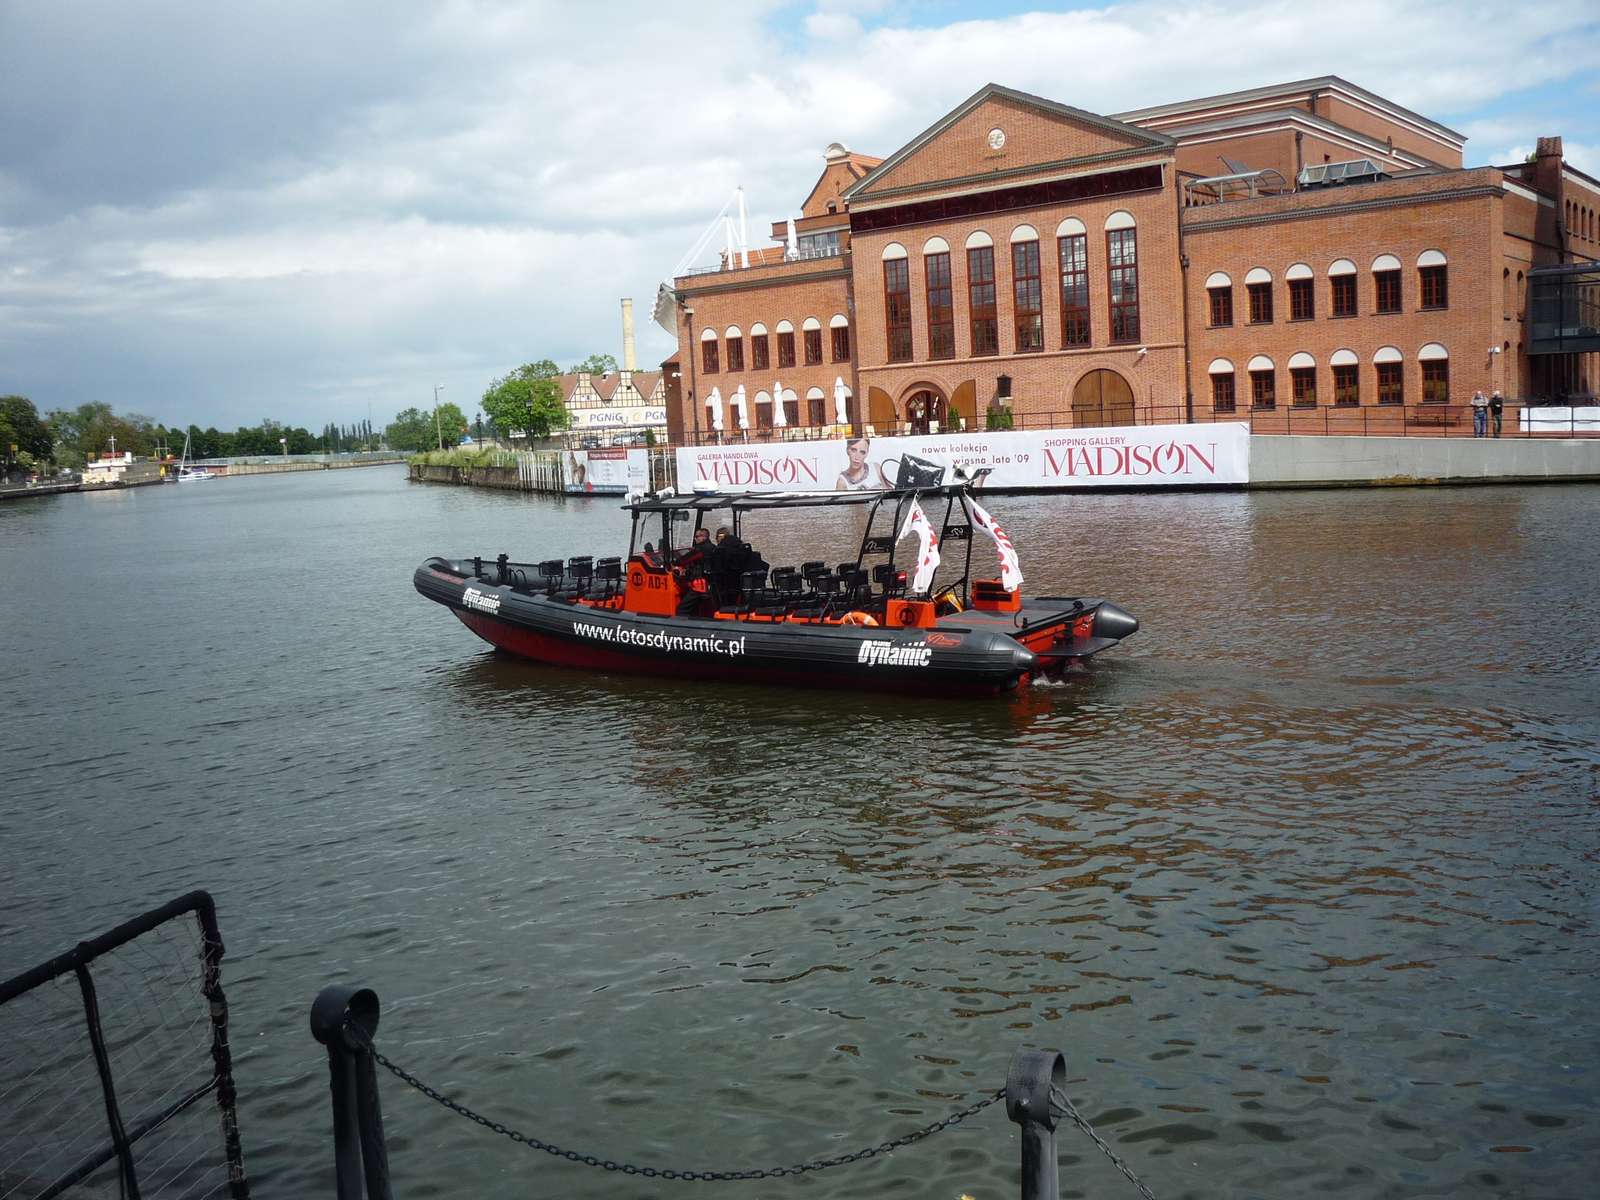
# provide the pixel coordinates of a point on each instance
(223, 212)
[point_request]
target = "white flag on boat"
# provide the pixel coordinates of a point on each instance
(927, 548)
(1010, 568)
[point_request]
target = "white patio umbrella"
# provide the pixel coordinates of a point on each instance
(841, 411)
(793, 248)
(714, 403)
(741, 409)
(780, 415)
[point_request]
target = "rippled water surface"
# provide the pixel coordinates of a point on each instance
(1302, 879)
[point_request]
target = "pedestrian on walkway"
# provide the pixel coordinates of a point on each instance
(1497, 407)
(1480, 413)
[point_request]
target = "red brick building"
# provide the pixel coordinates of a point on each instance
(1310, 246)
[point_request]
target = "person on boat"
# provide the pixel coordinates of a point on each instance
(857, 477)
(728, 560)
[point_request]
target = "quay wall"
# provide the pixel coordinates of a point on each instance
(303, 463)
(507, 478)
(1320, 461)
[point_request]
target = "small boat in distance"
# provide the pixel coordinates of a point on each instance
(186, 473)
(677, 605)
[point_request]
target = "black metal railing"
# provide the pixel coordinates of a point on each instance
(122, 1012)
(344, 1019)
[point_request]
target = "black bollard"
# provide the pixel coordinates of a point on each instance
(344, 1019)
(1028, 1083)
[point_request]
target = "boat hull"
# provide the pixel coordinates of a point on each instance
(944, 661)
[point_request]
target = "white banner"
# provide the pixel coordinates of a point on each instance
(616, 418)
(1136, 456)
(605, 472)
(1552, 419)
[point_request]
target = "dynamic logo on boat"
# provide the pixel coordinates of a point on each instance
(473, 598)
(890, 654)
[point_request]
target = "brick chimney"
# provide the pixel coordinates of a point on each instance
(1547, 168)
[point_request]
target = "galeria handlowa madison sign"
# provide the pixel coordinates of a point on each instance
(1136, 456)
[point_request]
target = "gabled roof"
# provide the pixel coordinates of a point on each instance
(995, 91)
(1294, 88)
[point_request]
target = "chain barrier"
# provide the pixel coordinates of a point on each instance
(1061, 1106)
(606, 1164)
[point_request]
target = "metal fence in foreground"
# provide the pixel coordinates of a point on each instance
(107, 1053)
(345, 1020)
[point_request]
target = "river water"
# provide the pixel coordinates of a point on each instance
(1302, 879)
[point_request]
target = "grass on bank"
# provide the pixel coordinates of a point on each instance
(489, 456)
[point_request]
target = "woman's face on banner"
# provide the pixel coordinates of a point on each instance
(858, 453)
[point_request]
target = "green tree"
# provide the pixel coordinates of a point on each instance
(412, 429)
(525, 403)
(21, 425)
(543, 369)
(451, 423)
(597, 364)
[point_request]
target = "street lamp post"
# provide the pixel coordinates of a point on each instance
(438, 432)
(694, 403)
(283, 442)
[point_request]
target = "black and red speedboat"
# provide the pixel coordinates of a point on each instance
(673, 607)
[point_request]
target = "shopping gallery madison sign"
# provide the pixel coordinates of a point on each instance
(1142, 456)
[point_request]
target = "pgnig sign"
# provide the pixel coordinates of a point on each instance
(617, 418)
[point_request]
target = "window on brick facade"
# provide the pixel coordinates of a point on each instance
(709, 358)
(1386, 284)
(736, 354)
(1347, 385)
(1391, 383)
(1260, 303)
(1263, 388)
(786, 348)
(1221, 299)
(841, 343)
(941, 306)
(1435, 283)
(1122, 255)
(1435, 379)
(1302, 302)
(813, 346)
(980, 300)
(897, 307)
(1026, 291)
(1344, 295)
(1303, 385)
(1222, 392)
(759, 347)
(1074, 252)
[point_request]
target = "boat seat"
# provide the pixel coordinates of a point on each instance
(890, 580)
(608, 577)
(550, 572)
(807, 570)
(853, 586)
(579, 575)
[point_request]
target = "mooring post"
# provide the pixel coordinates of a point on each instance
(1028, 1084)
(344, 1019)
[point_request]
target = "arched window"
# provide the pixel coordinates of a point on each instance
(1122, 276)
(941, 299)
(1391, 375)
(759, 344)
(1386, 284)
(1258, 286)
(710, 360)
(1435, 360)
(1219, 296)
(1433, 280)
(1342, 283)
(735, 340)
(811, 330)
(816, 407)
(980, 293)
(785, 344)
(1223, 382)
(1263, 382)
(1346, 378)
(1026, 289)
(839, 333)
(1303, 380)
(763, 410)
(1302, 292)
(1072, 248)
